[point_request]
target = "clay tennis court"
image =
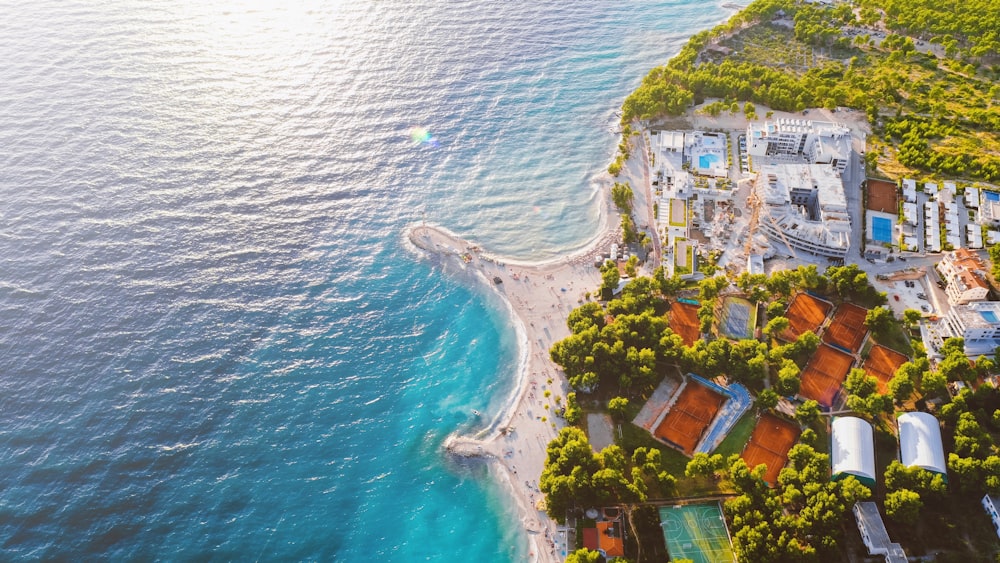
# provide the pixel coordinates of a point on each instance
(684, 321)
(805, 313)
(824, 374)
(769, 444)
(847, 329)
(883, 196)
(689, 416)
(882, 364)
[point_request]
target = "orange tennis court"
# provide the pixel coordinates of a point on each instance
(684, 321)
(688, 418)
(883, 196)
(847, 329)
(805, 313)
(882, 364)
(824, 374)
(769, 444)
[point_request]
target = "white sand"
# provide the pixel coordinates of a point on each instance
(539, 297)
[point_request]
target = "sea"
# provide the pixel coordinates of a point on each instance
(215, 343)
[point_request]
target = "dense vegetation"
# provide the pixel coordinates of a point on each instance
(968, 28)
(800, 519)
(618, 351)
(933, 103)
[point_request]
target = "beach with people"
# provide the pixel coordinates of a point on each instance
(539, 297)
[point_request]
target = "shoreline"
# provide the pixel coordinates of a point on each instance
(538, 296)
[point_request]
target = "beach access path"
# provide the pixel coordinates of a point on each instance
(539, 296)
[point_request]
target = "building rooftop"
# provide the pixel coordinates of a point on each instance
(871, 525)
(807, 204)
(979, 314)
(989, 209)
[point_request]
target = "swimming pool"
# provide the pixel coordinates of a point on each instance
(708, 160)
(881, 229)
(991, 196)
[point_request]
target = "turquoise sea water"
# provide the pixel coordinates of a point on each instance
(213, 342)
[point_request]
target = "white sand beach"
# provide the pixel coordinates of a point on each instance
(539, 297)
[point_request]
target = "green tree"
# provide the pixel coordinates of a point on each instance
(860, 383)
(618, 407)
(934, 383)
(775, 327)
(879, 320)
(808, 413)
(956, 367)
(767, 400)
(704, 465)
(912, 316)
(609, 278)
(903, 506)
(621, 194)
(901, 386)
(788, 378)
(572, 413)
(584, 555)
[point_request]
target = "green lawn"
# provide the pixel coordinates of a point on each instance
(897, 339)
(738, 436)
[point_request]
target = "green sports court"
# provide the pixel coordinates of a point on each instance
(697, 532)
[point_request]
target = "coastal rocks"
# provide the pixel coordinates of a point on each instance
(464, 447)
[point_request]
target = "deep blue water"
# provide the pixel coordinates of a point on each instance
(213, 342)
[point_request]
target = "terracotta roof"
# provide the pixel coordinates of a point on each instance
(609, 538)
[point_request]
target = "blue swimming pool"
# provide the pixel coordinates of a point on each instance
(707, 160)
(989, 316)
(992, 196)
(881, 229)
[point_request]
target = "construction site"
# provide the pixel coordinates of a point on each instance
(782, 193)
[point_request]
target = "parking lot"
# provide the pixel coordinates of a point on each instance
(907, 295)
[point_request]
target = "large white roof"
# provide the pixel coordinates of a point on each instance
(920, 442)
(853, 447)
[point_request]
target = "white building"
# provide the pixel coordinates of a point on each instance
(965, 275)
(909, 190)
(852, 449)
(932, 227)
(972, 198)
(920, 442)
(805, 206)
(910, 212)
(977, 322)
(992, 506)
(820, 142)
(975, 234)
(989, 209)
(874, 534)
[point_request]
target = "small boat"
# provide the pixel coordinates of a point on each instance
(475, 412)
